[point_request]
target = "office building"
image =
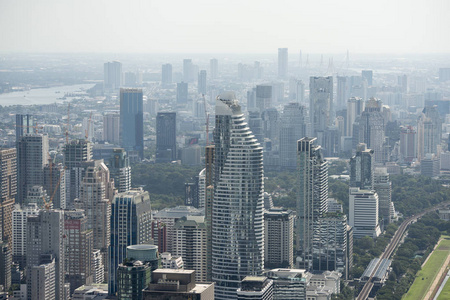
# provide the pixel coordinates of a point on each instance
(19, 238)
(362, 167)
(130, 225)
(429, 132)
(182, 92)
(8, 181)
(190, 244)
(292, 128)
(78, 249)
(96, 193)
(320, 104)
(55, 184)
(355, 106)
(271, 124)
(132, 122)
(45, 246)
(5, 265)
(214, 68)
(24, 125)
(76, 154)
(91, 292)
(312, 196)
(289, 284)
(408, 143)
(382, 185)
(166, 75)
(255, 124)
(32, 156)
(238, 200)
(166, 137)
(145, 253)
(98, 267)
(201, 86)
(279, 238)
(363, 216)
(188, 70)
(132, 277)
(263, 97)
(430, 165)
(255, 288)
(169, 284)
(41, 282)
(113, 77)
(171, 262)
(368, 76)
(282, 62)
(111, 128)
(342, 92)
(120, 170)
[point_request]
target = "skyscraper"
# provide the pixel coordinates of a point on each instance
(8, 181)
(166, 75)
(363, 213)
(24, 125)
(343, 92)
(19, 219)
(279, 238)
(382, 185)
(201, 86)
(320, 104)
(32, 154)
(282, 62)
(166, 137)
(55, 184)
(113, 77)
(361, 168)
(188, 70)
(132, 122)
(237, 211)
(355, 107)
(182, 92)
(408, 143)
(368, 75)
(120, 170)
(263, 97)
(292, 128)
(45, 244)
(429, 131)
(111, 128)
(312, 196)
(214, 68)
(130, 225)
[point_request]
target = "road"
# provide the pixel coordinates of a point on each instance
(390, 248)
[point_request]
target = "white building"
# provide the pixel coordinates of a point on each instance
(171, 262)
(363, 215)
(20, 215)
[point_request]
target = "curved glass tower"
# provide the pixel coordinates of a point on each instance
(237, 210)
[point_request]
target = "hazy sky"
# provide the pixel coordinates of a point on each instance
(225, 26)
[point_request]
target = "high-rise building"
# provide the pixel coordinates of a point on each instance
(342, 92)
(19, 220)
(5, 265)
(24, 125)
(41, 282)
(132, 277)
(201, 86)
(45, 244)
(263, 97)
(78, 249)
(111, 128)
(282, 62)
(8, 181)
(237, 210)
(279, 238)
(182, 92)
(190, 244)
(130, 225)
(113, 77)
(55, 184)
(255, 124)
(255, 288)
(408, 143)
(368, 75)
(188, 70)
(166, 75)
(120, 170)
(429, 131)
(312, 196)
(296, 90)
(214, 68)
(361, 168)
(320, 104)
(166, 137)
(209, 197)
(363, 216)
(132, 122)
(76, 154)
(355, 106)
(32, 156)
(96, 193)
(382, 185)
(292, 128)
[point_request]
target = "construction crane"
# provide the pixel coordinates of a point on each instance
(67, 127)
(48, 205)
(86, 133)
(207, 120)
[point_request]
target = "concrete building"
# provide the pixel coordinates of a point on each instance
(45, 246)
(132, 277)
(320, 104)
(24, 125)
(171, 262)
(113, 76)
(41, 281)
(188, 70)
(263, 98)
(355, 106)
(237, 211)
(408, 143)
(169, 284)
(111, 128)
(214, 68)
(78, 249)
(166, 75)
(98, 267)
(363, 216)
(282, 62)
(255, 288)
(279, 238)
(429, 166)
(362, 168)
(8, 181)
(91, 292)
(132, 122)
(32, 156)
(120, 170)
(201, 86)
(429, 132)
(19, 237)
(313, 195)
(289, 284)
(166, 137)
(382, 185)
(190, 244)
(5, 265)
(292, 128)
(182, 92)
(130, 225)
